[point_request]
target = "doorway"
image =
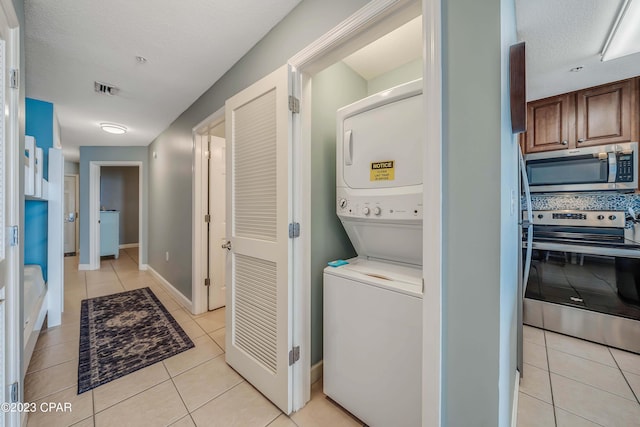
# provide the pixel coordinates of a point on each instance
(209, 257)
(71, 223)
(96, 207)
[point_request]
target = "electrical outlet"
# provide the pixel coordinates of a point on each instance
(166, 256)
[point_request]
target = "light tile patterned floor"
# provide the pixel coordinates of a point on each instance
(570, 382)
(194, 388)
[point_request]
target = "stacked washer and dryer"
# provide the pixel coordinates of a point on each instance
(373, 303)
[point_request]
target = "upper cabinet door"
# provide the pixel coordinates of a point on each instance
(604, 114)
(550, 124)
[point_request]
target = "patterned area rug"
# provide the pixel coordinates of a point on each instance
(124, 332)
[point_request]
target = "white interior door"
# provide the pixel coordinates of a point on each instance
(259, 329)
(10, 300)
(70, 214)
(217, 225)
(4, 246)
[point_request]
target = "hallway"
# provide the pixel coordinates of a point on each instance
(194, 388)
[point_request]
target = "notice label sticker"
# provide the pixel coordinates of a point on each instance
(382, 171)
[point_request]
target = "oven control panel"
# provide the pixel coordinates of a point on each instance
(579, 218)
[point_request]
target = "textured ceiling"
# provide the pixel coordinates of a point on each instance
(563, 34)
(188, 44)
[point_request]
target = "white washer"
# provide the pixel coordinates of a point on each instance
(372, 341)
(373, 305)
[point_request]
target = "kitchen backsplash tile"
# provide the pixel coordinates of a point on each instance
(598, 201)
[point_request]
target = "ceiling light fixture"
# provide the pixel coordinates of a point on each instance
(624, 38)
(113, 128)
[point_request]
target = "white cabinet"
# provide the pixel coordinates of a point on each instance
(110, 233)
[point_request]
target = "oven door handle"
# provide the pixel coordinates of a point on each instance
(587, 250)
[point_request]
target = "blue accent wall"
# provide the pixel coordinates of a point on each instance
(39, 124)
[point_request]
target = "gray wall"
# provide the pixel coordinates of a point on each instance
(89, 154)
(404, 73)
(332, 88)
(170, 174)
(478, 340)
(71, 168)
(119, 190)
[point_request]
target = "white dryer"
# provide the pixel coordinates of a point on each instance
(373, 304)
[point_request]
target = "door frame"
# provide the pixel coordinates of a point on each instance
(370, 22)
(77, 221)
(94, 209)
(14, 187)
(198, 248)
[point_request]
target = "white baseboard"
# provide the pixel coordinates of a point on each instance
(129, 245)
(143, 267)
(83, 267)
(169, 287)
(516, 395)
(316, 372)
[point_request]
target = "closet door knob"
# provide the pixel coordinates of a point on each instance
(227, 245)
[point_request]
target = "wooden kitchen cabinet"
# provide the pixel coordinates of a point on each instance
(550, 123)
(604, 114)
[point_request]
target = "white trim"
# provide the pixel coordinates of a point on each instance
(316, 372)
(94, 206)
(143, 267)
(432, 221)
(516, 395)
(199, 249)
(55, 246)
(359, 28)
(84, 267)
(129, 245)
(176, 294)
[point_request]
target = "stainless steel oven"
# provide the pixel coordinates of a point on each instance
(584, 277)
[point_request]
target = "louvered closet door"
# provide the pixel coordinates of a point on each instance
(258, 336)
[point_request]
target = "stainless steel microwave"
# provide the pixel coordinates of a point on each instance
(605, 167)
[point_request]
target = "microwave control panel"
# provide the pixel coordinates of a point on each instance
(625, 168)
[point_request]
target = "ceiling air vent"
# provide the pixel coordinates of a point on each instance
(105, 88)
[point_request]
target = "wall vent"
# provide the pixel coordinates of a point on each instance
(105, 88)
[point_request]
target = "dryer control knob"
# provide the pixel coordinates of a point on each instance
(612, 217)
(377, 210)
(366, 211)
(342, 203)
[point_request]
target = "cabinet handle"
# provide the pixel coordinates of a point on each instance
(565, 142)
(581, 140)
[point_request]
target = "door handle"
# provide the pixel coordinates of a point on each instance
(227, 245)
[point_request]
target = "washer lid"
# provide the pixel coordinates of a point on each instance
(399, 241)
(394, 277)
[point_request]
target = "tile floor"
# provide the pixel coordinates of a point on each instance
(194, 388)
(570, 382)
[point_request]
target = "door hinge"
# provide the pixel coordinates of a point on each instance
(207, 218)
(294, 355)
(294, 230)
(207, 282)
(423, 285)
(13, 392)
(13, 235)
(294, 104)
(14, 81)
